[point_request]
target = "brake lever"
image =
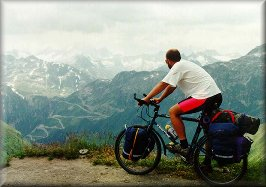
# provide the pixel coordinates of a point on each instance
(140, 101)
(151, 101)
(135, 96)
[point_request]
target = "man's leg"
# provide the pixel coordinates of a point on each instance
(189, 105)
(178, 124)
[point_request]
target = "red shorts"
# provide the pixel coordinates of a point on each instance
(191, 105)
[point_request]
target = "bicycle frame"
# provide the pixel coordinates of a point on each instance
(195, 137)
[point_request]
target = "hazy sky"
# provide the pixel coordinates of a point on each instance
(132, 27)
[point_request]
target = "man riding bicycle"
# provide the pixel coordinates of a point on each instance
(201, 91)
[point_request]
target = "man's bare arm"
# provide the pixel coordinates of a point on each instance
(169, 89)
(156, 90)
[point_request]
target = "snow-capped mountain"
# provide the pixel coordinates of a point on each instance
(107, 66)
(101, 63)
(62, 72)
(259, 51)
(33, 76)
(207, 57)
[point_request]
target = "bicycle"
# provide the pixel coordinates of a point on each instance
(214, 173)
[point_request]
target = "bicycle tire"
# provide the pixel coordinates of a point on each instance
(216, 174)
(142, 166)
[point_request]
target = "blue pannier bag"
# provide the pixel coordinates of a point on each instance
(138, 144)
(222, 135)
(223, 139)
(223, 130)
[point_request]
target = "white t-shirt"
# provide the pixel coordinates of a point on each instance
(193, 80)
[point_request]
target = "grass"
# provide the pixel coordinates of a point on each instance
(256, 172)
(11, 144)
(175, 166)
(67, 150)
(257, 163)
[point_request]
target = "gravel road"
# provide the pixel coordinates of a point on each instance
(80, 172)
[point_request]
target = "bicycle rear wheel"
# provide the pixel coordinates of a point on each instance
(142, 166)
(214, 172)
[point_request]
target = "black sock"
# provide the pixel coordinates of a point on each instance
(184, 144)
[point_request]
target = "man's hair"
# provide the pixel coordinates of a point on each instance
(173, 55)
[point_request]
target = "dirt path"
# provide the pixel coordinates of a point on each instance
(79, 172)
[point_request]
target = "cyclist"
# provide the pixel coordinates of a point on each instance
(200, 90)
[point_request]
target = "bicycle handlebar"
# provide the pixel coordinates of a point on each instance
(141, 102)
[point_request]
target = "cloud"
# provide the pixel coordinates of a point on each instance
(95, 17)
(34, 17)
(131, 27)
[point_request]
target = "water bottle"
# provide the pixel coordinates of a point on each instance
(171, 132)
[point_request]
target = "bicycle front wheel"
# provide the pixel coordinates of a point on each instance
(213, 172)
(142, 166)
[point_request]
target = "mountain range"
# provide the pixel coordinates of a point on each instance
(103, 105)
(67, 73)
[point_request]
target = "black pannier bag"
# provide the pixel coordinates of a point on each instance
(246, 123)
(138, 144)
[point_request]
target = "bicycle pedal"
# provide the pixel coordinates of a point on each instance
(184, 159)
(173, 152)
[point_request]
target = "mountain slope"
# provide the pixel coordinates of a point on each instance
(11, 141)
(241, 81)
(257, 152)
(33, 76)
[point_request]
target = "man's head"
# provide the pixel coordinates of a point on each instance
(172, 56)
